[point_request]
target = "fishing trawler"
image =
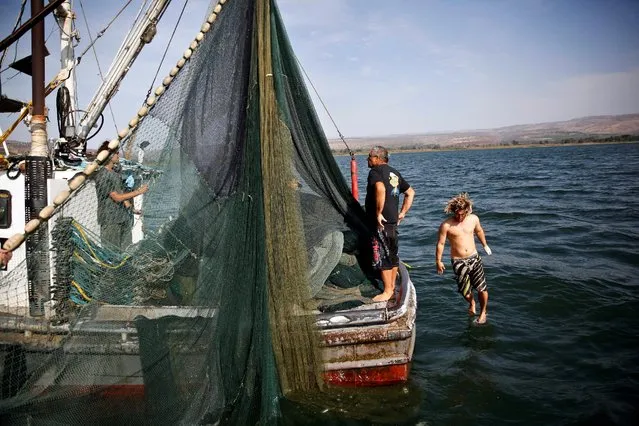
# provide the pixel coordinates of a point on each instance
(238, 287)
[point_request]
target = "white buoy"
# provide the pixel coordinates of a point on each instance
(14, 242)
(102, 156)
(46, 212)
(31, 226)
(114, 144)
(90, 168)
(62, 197)
(77, 180)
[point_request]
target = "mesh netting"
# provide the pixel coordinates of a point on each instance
(247, 227)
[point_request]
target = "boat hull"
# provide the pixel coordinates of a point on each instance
(369, 346)
(372, 355)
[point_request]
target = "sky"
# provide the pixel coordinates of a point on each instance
(394, 67)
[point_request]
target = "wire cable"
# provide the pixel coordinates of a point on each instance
(166, 50)
(324, 105)
(101, 32)
(86, 22)
(18, 21)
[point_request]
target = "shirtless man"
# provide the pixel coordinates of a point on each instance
(460, 231)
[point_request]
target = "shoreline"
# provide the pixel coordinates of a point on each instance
(399, 150)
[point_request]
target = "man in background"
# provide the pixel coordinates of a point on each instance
(460, 230)
(115, 207)
(382, 208)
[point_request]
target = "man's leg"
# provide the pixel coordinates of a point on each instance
(389, 286)
(389, 273)
(471, 302)
(394, 278)
(110, 234)
(462, 276)
(483, 304)
(126, 236)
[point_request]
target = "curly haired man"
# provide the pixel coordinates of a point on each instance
(460, 230)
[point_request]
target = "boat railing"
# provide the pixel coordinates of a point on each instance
(375, 313)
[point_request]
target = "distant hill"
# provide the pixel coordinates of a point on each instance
(604, 128)
(585, 129)
(16, 147)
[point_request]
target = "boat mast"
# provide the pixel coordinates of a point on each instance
(38, 169)
(65, 18)
(140, 35)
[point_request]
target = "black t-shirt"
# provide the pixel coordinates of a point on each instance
(394, 184)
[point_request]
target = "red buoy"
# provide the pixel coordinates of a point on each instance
(354, 188)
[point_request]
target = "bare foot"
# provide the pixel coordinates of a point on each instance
(482, 319)
(471, 309)
(382, 297)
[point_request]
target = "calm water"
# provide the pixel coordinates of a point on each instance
(561, 346)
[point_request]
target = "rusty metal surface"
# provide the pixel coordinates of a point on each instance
(376, 345)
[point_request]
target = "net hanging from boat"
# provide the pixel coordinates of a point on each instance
(248, 229)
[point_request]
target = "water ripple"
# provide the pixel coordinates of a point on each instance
(561, 345)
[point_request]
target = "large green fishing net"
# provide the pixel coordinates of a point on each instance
(248, 230)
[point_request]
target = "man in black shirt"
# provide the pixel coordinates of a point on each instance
(382, 208)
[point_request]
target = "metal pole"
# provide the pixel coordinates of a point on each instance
(38, 169)
(29, 24)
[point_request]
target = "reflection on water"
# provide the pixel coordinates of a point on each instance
(390, 405)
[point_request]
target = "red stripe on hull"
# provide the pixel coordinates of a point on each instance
(368, 376)
(122, 391)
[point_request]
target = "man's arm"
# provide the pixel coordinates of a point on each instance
(439, 250)
(380, 199)
(5, 257)
(482, 237)
(409, 195)
(119, 197)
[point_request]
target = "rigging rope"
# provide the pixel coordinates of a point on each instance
(354, 178)
(63, 108)
(101, 32)
(166, 50)
(86, 22)
(18, 21)
(15, 55)
(324, 106)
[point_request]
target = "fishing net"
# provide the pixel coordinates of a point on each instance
(247, 231)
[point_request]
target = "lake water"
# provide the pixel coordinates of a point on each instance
(561, 346)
